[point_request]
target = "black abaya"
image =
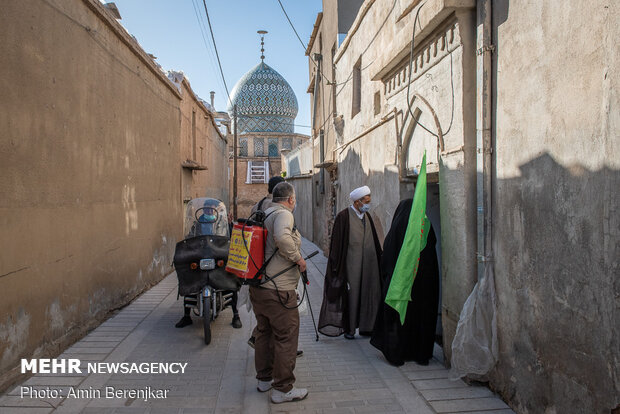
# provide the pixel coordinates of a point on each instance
(415, 339)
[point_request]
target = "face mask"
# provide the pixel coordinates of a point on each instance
(365, 208)
(294, 208)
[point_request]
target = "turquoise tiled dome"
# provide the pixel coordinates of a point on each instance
(266, 99)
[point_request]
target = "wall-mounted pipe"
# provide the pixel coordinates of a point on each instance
(475, 344)
(484, 142)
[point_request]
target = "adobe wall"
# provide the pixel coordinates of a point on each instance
(202, 143)
(89, 174)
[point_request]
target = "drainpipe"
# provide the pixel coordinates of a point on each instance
(484, 143)
(319, 59)
(317, 78)
(474, 347)
(322, 160)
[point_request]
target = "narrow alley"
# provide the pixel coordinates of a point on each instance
(455, 159)
(342, 376)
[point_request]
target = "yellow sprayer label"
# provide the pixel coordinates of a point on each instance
(238, 255)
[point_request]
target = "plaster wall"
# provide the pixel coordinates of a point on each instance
(303, 194)
(89, 175)
(298, 161)
(323, 106)
(556, 227)
(386, 145)
(298, 165)
(556, 161)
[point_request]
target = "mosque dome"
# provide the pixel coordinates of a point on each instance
(265, 101)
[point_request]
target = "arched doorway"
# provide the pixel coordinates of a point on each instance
(421, 131)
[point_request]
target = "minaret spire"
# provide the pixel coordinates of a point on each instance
(262, 34)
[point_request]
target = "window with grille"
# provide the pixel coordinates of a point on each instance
(243, 147)
(273, 147)
(299, 142)
(287, 143)
(259, 147)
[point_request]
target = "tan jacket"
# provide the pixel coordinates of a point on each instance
(282, 234)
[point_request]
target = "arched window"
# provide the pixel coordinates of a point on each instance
(273, 147)
(243, 147)
(287, 143)
(259, 147)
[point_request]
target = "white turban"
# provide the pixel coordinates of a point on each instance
(359, 193)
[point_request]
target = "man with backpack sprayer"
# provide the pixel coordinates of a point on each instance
(263, 205)
(275, 302)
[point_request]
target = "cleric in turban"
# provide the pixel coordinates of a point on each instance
(352, 289)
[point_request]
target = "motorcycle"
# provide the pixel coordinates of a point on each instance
(200, 262)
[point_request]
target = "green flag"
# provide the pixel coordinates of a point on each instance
(399, 292)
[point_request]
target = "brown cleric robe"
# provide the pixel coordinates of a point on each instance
(352, 289)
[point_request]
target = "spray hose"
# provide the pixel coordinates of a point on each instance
(304, 277)
(262, 269)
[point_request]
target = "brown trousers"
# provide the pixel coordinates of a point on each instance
(275, 349)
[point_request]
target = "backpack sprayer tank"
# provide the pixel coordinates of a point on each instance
(247, 250)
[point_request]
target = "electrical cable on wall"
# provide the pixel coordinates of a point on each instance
(416, 122)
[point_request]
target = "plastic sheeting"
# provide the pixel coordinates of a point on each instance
(243, 298)
(303, 306)
(474, 348)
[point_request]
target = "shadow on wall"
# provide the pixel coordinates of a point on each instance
(557, 250)
(384, 187)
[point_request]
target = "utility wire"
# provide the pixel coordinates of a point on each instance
(452, 85)
(202, 27)
(302, 43)
(329, 82)
(215, 47)
(222, 71)
(291, 23)
(409, 80)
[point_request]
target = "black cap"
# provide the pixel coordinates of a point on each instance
(273, 181)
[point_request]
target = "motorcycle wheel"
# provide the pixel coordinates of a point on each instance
(206, 318)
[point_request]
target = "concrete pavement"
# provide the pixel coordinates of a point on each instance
(342, 376)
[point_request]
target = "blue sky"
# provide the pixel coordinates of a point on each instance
(171, 31)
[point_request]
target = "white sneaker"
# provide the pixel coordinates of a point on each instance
(264, 386)
(295, 394)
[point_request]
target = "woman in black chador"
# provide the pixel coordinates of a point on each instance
(415, 339)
